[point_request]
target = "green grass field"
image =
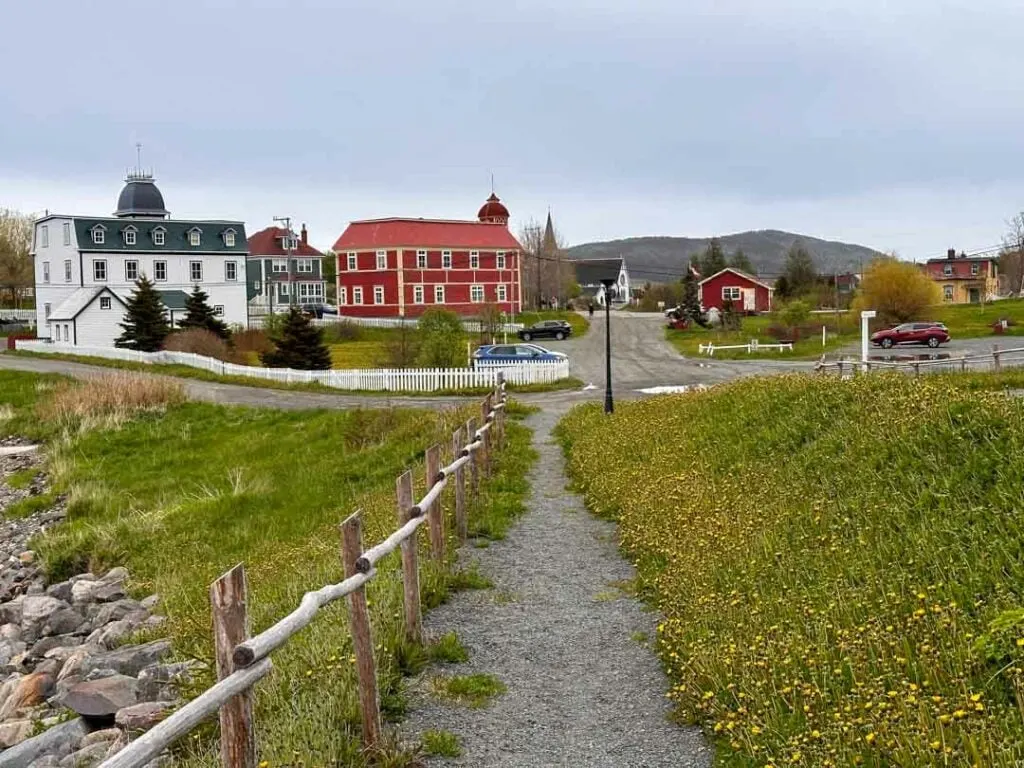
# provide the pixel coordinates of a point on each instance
(838, 563)
(182, 494)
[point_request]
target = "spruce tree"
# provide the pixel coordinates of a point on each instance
(199, 314)
(145, 324)
(740, 261)
(299, 345)
(690, 305)
(713, 259)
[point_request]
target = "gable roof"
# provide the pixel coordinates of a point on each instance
(425, 233)
(592, 271)
(267, 242)
(738, 273)
(76, 303)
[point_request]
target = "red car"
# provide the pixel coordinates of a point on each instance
(931, 334)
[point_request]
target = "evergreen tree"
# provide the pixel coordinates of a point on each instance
(199, 314)
(690, 304)
(712, 260)
(299, 345)
(145, 324)
(800, 272)
(740, 261)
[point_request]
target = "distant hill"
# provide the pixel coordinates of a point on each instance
(659, 259)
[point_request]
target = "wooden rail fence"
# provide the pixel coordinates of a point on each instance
(242, 661)
(994, 360)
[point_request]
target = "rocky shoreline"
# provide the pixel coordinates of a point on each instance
(65, 663)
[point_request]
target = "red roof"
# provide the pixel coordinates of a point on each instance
(493, 210)
(267, 242)
(740, 274)
(425, 233)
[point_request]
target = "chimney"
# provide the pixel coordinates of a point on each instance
(951, 253)
(304, 235)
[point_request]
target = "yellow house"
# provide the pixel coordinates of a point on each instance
(965, 279)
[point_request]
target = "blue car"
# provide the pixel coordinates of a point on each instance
(514, 353)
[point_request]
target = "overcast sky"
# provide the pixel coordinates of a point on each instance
(898, 125)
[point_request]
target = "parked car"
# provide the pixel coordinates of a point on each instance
(319, 310)
(931, 334)
(552, 329)
(515, 353)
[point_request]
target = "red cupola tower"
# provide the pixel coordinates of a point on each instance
(493, 211)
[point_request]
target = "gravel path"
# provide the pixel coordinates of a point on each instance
(583, 688)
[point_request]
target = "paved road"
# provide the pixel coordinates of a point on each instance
(641, 359)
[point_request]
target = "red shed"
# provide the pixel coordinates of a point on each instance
(748, 294)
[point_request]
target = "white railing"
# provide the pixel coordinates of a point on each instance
(17, 314)
(752, 346)
(982, 361)
(370, 379)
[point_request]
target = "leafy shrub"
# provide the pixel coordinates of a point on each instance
(344, 330)
(252, 340)
(441, 340)
(199, 341)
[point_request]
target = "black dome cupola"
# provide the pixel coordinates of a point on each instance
(140, 197)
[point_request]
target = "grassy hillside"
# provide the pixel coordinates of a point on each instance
(840, 564)
(183, 491)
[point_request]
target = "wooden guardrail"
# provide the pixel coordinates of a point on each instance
(997, 358)
(242, 661)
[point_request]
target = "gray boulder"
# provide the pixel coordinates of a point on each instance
(129, 660)
(14, 732)
(60, 591)
(111, 635)
(83, 591)
(42, 615)
(115, 575)
(103, 697)
(143, 716)
(86, 757)
(131, 610)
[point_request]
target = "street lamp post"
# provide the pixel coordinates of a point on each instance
(609, 406)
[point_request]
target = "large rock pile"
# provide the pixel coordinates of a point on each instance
(63, 654)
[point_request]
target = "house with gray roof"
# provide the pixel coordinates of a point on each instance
(590, 273)
(86, 267)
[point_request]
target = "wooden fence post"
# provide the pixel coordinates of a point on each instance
(474, 459)
(485, 449)
(917, 369)
(228, 596)
(410, 570)
(500, 415)
(435, 515)
(362, 638)
(963, 363)
(461, 520)
(995, 357)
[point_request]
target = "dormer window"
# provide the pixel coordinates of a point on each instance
(229, 238)
(195, 236)
(159, 235)
(129, 235)
(289, 243)
(99, 234)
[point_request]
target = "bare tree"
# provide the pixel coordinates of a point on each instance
(546, 273)
(16, 273)
(1011, 257)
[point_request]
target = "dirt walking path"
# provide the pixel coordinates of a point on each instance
(584, 687)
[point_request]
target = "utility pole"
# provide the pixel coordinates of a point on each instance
(287, 220)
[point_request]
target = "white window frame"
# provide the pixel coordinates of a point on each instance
(192, 271)
(378, 295)
(439, 294)
(975, 269)
(382, 260)
(279, 266)
(44, 236)
(421, 259)
(731, 293)
(99, 235)
(67, 233)
(304, 265)
(357, 295)
(230, 271)
(46, 271)
(218, 310)
(129, 235)
(67, 270)
(159, 236)
(195, 238)
(947, 270)
(502, 293)
(474, 259)
(446, 259)
(128, 277)
(56, 332)
(477, 294)
(156, 271)
(96, 264)
(499, 260)
(947, 292)
(229, 238)
(417, 294)
(343, 296)
(106, 303)
(353, 261)
(46, 310)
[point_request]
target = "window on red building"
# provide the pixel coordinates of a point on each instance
(439, 294)
(474, 259)
(382, 259)
(446, 259)
(417, 294)
(378, 294)
(421, 259)
(500, 260)
(476, 294)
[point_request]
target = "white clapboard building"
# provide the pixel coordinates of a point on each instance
(86, 267)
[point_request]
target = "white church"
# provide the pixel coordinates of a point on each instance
(86, 267)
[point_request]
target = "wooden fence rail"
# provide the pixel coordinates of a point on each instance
(997, 358)
(242, 660)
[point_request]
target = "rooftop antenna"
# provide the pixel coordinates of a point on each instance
(492, 182)
(138, 155)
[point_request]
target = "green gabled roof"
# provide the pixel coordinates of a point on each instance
(173, 299)
(176, 238)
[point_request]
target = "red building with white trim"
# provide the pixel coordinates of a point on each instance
(401, 267)
(747, 294)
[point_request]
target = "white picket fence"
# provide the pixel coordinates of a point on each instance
(22, 315)
(472, 326)
(371, 379)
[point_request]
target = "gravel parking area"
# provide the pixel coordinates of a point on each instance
(584, 687)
